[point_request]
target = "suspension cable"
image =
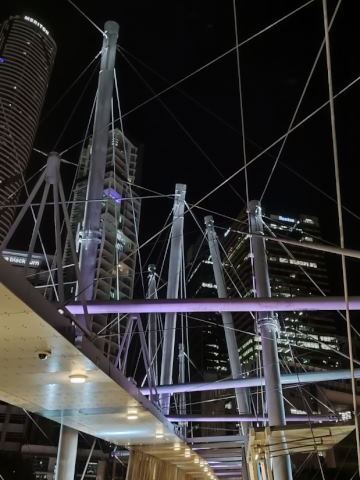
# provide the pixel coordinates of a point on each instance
(307, 83)
(182, 127)
(341, 224)
(81, 74)
(198, 70)
(87, 18)
(278, 140)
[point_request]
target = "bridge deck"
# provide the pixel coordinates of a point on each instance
(99, 407)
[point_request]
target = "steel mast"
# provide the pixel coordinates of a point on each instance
(230, 337)
(152, 324)
(91, 229)
(268, 328)
(176, 249)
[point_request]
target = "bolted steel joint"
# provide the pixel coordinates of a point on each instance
(269, 321)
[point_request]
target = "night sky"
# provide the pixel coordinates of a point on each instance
(176, 38)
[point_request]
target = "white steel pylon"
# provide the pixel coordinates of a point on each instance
(268, 328)
(152, 324)
(176, 250)
(234, 359)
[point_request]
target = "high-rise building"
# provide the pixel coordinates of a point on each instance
(210, 352)
(27, 53)
(305, 338)
(115, 273)
(207, 346)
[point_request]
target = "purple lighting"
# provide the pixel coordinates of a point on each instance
(295, 304)
(249, 382)
(113, 194)
(2, 60)
(250, 418)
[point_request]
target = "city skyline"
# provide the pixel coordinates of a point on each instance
(192, 165)
(234, 74)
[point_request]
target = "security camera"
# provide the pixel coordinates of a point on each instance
(44, 354)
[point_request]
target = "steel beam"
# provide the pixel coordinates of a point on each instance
(192, 305)
(286, 379)
(215, 439)
(249, 418)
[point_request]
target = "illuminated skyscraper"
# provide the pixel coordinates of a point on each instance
(119, 224)
(27, 53)
(305, 338)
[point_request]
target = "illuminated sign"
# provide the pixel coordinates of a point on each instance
(19, 258)
(38, 24)
(301, 263)
(286, 219)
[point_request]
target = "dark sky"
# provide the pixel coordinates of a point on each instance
(174, 39)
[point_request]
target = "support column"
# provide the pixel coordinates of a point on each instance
(51, 468)
(91, 234)
(230, 337)
(92, 217)
(182, 396)
(101, 470)
(113, 473)
(66, 457)
(267, 325)
(176, 250)
(152, 325)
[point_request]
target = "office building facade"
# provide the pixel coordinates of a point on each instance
(27, 53)
(306, 339)
(120, 215)
(210, 352)
(208, 348)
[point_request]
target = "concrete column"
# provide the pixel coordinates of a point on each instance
(51, 468)
(66, 456)
(101, 470)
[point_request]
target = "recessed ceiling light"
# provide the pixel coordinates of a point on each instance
(78, 378)
(132, 414)
(177, 446)
(159, 435)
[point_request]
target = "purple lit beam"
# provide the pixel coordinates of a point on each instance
(249, 418)
(293, 304)
(248, 382)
